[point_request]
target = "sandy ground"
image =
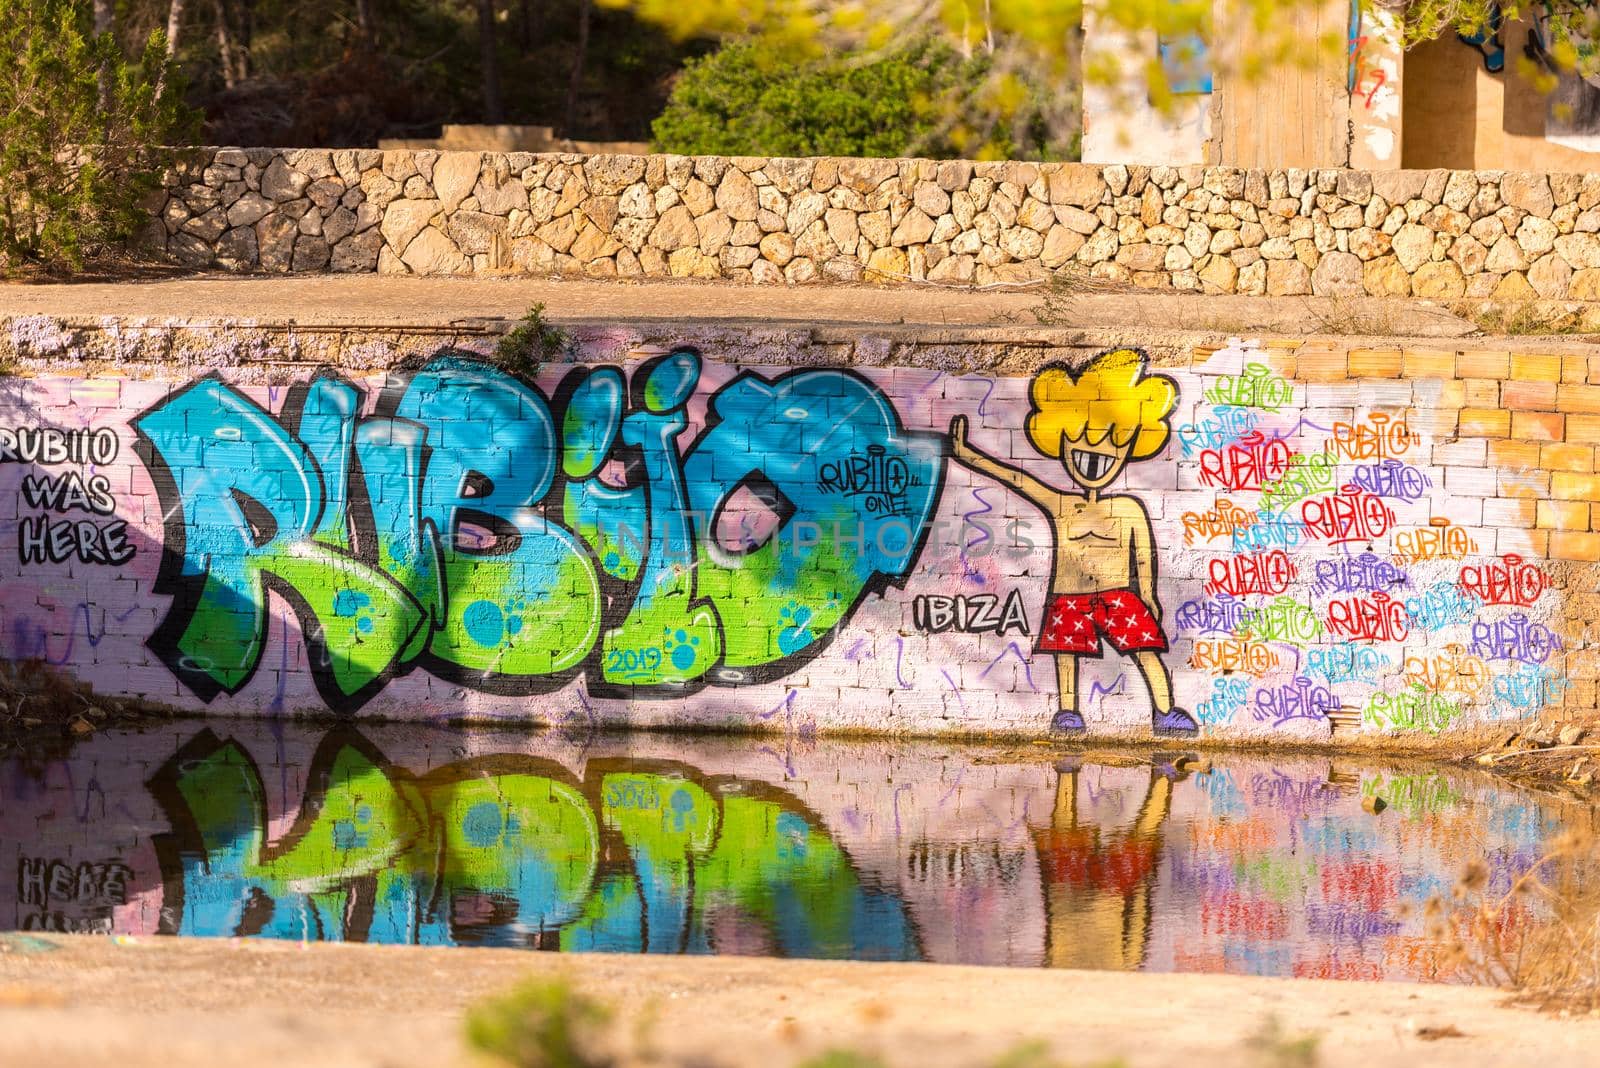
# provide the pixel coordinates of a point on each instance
(389, 300)
(172, 1003)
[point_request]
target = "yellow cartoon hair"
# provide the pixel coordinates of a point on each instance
(1111, 395)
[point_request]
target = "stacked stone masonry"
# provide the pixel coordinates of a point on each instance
(1438, 234)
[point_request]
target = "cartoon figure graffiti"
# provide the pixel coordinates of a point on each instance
(1104, 582)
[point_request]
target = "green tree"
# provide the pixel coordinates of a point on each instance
(756, 97)
(83, 132)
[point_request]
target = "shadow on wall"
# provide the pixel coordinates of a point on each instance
(1440, 123)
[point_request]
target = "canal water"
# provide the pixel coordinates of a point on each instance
(676, 844)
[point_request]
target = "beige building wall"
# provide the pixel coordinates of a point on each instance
(1460, 116)
(1296, 115)
(1119, 123)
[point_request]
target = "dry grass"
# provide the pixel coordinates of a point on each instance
(1529, 318)
(1561, 750)
(1353, 315)
(39, 702)
(1060, 291)
(1540, 938)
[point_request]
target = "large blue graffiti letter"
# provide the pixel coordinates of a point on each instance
(840, 494)
(243, 501)
(516, 596)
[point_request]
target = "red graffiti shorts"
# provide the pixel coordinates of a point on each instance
(1075, 623)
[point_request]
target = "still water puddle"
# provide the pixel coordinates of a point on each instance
(666, 844)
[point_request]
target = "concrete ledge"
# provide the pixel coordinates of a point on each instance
(434, 303)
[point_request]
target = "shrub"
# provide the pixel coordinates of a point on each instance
(524, 349)
(754, 98)
(81, 130)
(542, 1024)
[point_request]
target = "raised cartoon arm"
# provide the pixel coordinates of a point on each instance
(1038, 492)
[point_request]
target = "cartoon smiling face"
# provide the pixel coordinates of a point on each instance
(1094, 466)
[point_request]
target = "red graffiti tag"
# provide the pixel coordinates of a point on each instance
(1506, 581)
(1378, 618)
(1263, 573)
(1349, 515)
(1247, 464)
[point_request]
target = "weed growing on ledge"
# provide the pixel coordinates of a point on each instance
(1352, 316)
(843, 1058)
(1528, 318)
(1058, 297)
(525, 348)
(1276, 1048)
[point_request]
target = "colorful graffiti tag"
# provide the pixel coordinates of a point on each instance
(672, 541)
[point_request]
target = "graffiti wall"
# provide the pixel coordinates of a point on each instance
(826, 849)
(1103, 546)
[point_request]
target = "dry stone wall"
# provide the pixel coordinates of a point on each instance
(1437, 234)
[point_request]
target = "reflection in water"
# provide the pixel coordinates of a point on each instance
(1098, 882)
(513, 851)
(882, 851)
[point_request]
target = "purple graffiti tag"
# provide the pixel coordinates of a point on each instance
(1027, 669)
(984, 534)
(899, 656)
(991, 383)
(91, 788)
(948, 794)
(280, 695)
(26, 634)
(786, 706)
(854, 653)
(785, 759)
(954, 689)
(1100, 693)
(898, 790)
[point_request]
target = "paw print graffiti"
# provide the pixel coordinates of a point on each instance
(353, 833)
(353, 604)
(794, 627)
(682, 648)
(489, 625)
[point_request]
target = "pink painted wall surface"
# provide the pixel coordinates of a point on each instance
(680, 542)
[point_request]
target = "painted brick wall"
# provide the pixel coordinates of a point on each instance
(1285, 540)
